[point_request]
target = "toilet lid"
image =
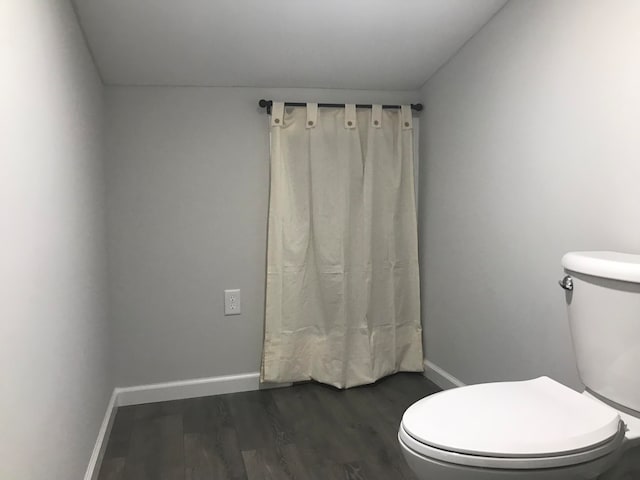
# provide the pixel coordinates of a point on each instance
(533, 418)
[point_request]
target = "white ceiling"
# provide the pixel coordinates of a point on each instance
(363, 44)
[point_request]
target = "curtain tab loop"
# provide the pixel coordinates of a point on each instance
(277, 114)
(406, 117)
(350, 115)
(312, 115)
(376, 116)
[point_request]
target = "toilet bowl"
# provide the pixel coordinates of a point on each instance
(535, 429)
(540, 429)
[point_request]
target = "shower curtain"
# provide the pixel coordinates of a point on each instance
(342, 298)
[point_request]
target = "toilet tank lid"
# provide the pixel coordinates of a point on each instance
(613, 265)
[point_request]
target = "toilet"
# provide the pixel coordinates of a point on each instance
(540, 429)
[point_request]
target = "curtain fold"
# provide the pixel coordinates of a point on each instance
(342, 299)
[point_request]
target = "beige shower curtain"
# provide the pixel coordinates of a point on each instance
(343, 302)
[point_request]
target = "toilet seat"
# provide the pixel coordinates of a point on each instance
(516, 425)
(512, 463)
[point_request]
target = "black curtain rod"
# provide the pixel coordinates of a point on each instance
(268, 103)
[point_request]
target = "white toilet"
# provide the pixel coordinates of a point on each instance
(540, 429)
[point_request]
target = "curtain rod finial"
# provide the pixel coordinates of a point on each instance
(264, 103)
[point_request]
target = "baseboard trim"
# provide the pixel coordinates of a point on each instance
(101, 442)
(197, 387)
(440, 376)
(162, 392)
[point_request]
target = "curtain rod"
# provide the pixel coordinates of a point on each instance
(268, 103)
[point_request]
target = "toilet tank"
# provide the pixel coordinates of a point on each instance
(604, 315)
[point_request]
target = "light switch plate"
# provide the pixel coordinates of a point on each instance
(232, 302)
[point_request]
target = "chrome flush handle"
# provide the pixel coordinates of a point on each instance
(566, 283)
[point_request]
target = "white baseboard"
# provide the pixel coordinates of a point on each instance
(197, 387)
(440, 376)
(101, 442)
(162, 392)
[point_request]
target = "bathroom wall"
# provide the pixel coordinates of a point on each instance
(53, 357)
(530, 149)
(188, 185)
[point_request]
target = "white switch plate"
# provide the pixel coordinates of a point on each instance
(232, 302)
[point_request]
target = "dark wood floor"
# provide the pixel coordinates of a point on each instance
(308, 431)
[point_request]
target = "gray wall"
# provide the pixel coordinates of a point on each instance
(188, 184)
(53, 357)
(530, 148)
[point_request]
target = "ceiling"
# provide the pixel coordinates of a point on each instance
(358, 44)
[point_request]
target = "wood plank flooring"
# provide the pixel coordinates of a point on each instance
(305, 432)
